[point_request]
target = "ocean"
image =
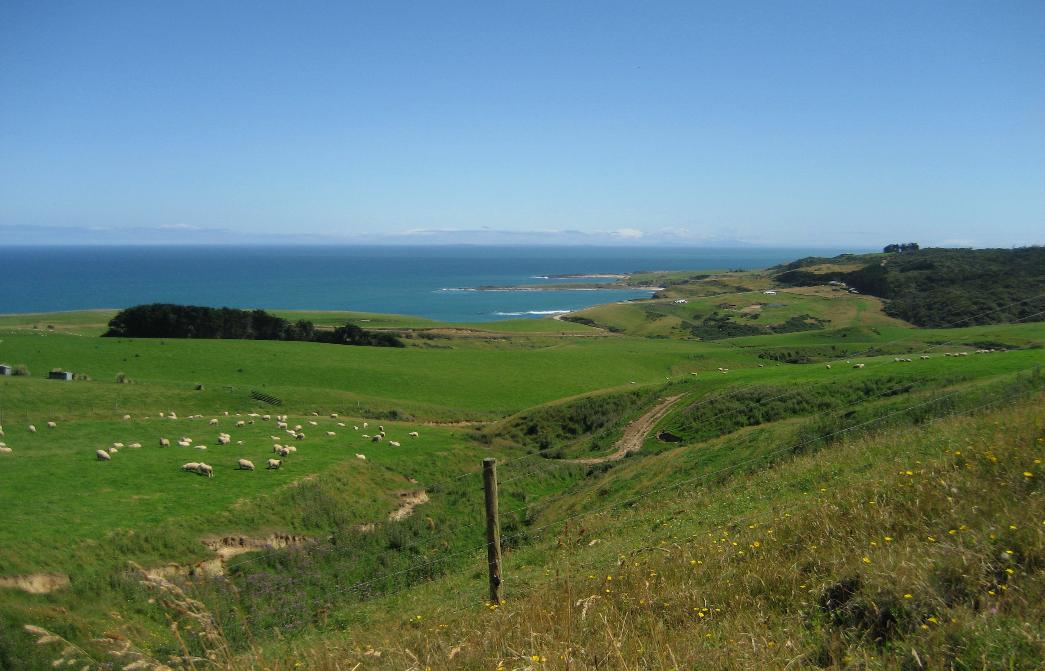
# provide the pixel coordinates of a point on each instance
(434, 282)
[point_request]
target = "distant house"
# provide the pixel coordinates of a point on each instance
(769, 292)
(59, 375)
(5, 369)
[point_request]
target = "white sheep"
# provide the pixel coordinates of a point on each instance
(200, 447)
(32, 428)
(240, 424)
(376, 439)
(224, 439)
(290, 449)
(365, 425)
(164, 442)
(414, 434)
(4, 449)
(281, 425)
(361, 456)
(300, 436)
(282, 451)
(182, 443)
(365, 435)
(829, 366)
(213, 422)
(858, 365)
(135, 446)
(381, 428)
(126, 417)
(118, 445)
(244, 465)
(190, 467)
(52, 425)
(341, 424)
(113, 450)
(277, 447)
(393, 443)
(266, 417)
(333, 415)
(102, 455)
(313, 423)
(274, 464)
(331, 434)
(205, 469)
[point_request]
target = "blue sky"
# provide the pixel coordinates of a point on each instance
(835, 123)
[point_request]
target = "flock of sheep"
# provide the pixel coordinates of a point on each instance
(281, 450)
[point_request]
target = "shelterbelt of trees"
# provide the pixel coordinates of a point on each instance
(939, 287)
(166, 320)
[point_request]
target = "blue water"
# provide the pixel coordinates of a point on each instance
(406, 280)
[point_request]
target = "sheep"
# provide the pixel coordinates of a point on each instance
(300, 436)
(313, 423)
(361, 456)
(376, 439)
(4, 449)
(314, 413)
(380, 428)
(118, 445)
(281, 425)
(341, 424)
(291, 432)
(102, 455)
(173, 415)
(224, 439)
(182, 443)
(205, 469)
(277, 447)
(298, 427)
(240, 424)
(333, 415)
(185, 439)
(52, 425)
(414, 434)
(924, 357)
(858, 365)
(828, 366)
(274, 464)
(190, 467)
(282, 451)
(365, 435)
(266, 417)
(164, 442)
(355, 427)
(331, 434)
(200, 447)
(32, 428)
(126, 417)
(135, 446)
(365, 425)
(113, 450)
(244, 465)
(290, 449)
(226, 413)
(394, 443)
(213, 422)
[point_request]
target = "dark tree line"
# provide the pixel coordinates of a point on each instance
(947, 287)
(165, 320)
(901, 247)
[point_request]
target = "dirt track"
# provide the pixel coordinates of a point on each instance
(634, 434)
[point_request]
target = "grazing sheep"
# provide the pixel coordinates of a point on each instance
(858, 365)
(213, 422)
(52, 425)
(331, 434)
(113, 450)
(380, 428)
(277, 447)
(341, 424)
(313, 423)
(365, 425)
(165, 442)
(266, 417)
(173, 415)
(333, 415)
(298, 427)
(244, 465)
(274, 464)
(376, 439)
(200, 447)
(205, 469)
(282, 451)
(32, 428)
(4, 449)
(924, 357)
(281, 425)
(118, 445)
(102, 455)
(182, 443)
(414, 434)
(394, 443)
(365, 435)
(361, 456)
(355, 427)
(300, 436)
(315, 414)
(291, 432)
(135, 446)
(290, 449)
(186, 439)
(240, 424)
(829, 366)
(126, 417)
(224, 439)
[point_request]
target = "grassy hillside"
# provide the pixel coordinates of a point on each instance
(316, 562)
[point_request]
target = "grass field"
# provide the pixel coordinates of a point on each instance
(529, 392)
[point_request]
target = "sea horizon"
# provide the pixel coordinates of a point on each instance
(438, 282)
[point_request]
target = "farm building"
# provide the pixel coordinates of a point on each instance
(5, 369)
(59, 375)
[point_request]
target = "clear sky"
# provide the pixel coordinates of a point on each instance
(800, 122)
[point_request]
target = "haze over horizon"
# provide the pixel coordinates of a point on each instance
(676, 124)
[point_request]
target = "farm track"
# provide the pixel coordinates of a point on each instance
(634, 434)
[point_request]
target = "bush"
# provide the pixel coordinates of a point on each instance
(21, 369)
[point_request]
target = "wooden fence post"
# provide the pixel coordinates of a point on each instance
(493, 529)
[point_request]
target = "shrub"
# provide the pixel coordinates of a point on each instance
(21, 369)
